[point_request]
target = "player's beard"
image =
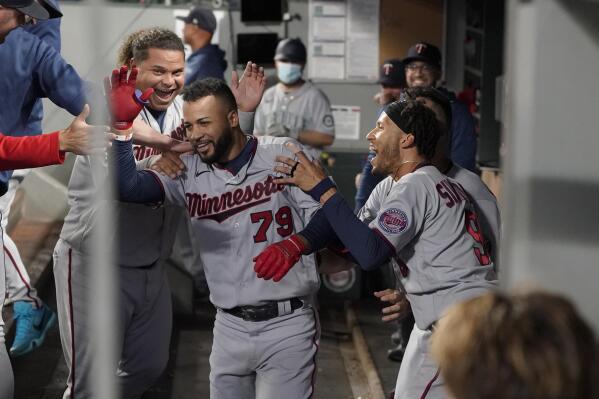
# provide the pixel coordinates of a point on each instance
(221, 147)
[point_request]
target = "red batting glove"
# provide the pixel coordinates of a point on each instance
(124, 101)
(276, 260)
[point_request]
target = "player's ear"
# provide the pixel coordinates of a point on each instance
(407, 140)
(233, 118)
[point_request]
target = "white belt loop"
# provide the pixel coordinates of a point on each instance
(284, 307)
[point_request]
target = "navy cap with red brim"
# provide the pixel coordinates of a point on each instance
(27, 7)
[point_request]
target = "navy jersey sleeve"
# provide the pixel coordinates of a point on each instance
(366, 246)
(132, 185)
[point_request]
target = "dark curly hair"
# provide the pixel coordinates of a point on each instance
(125, 52)
(159, 38)
(435, 96)
(415, 118)
(210, 87)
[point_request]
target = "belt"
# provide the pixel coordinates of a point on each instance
(267, 311)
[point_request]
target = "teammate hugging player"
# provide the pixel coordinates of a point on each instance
(418, 218)
(265, 335)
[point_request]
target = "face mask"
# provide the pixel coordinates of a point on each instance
(289, 73)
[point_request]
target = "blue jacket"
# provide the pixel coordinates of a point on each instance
(207, 62)
(32, 69)
(463, 139)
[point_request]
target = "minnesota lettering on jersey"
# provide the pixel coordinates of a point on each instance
(142, 152)
(220, 208)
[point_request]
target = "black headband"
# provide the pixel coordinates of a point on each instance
(394, 111)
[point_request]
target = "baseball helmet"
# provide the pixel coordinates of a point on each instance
(291, 50)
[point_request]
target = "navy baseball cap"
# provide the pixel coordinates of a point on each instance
(392, 73)
(202, 18)
(27, 7)
(425, 52)
(292, 50)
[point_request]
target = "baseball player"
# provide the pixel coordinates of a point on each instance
(482, 199)
(23, 83)
(32, 152)
(417, 217)
(145, 310)
(294, 107)
(265, 335)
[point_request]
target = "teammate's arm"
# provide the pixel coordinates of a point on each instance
(140, 186)
(125, 103)
(320, 129)
(47, 149)
(369, 248)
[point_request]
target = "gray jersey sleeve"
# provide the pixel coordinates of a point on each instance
(260, 114)
(246, 122)
(401, 214)
(373, 204)
(320, 115)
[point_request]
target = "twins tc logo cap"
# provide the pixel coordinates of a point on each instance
(392, 73)
(423, 51)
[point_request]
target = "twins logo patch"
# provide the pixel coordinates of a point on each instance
(393, 221)
(327, 120)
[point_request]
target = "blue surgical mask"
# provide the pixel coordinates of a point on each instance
(289, 73)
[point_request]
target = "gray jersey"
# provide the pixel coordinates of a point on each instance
(148, 236)
(235, 217)
(433, 226)
(287, 114)
(486, 207)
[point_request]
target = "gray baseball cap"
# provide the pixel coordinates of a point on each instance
(202, 18)
(27, 7)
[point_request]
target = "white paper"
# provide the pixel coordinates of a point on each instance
(362, 43)
(327, 67)
(328, 8)
(336, 49)
(362, 59)
(328, 28)
(347, 121)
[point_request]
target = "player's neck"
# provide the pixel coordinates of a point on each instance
(198, 42)
(407, 165)
(239, 141)
(293, 87)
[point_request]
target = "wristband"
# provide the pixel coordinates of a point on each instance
(322, 187)
(123, 137)
(295, 240)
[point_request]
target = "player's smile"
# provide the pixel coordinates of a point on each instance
(164, 95)
(203, 145)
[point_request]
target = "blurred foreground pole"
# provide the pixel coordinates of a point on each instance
(103, 284)
(551, 134)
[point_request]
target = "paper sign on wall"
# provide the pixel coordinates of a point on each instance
(347, 121)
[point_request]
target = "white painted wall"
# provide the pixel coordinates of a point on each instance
(551, 194)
